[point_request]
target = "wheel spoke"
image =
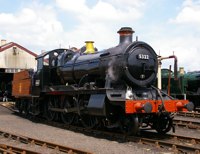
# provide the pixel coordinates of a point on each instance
(67, 118)
(88, 121)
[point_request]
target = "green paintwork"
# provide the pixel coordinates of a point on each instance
(187, 83)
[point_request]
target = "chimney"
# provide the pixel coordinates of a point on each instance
(125, 35)
(3, 42)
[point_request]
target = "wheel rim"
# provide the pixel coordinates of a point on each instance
(67, 118)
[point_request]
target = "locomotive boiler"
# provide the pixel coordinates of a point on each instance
(112, 88)
(134, 62)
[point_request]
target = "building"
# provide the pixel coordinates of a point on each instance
(14, 58)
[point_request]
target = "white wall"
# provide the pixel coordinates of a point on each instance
(21, 60)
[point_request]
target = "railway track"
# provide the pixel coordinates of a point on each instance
(8, 149)
(173, 143)
(189, 114)
(186, 123)
(9, 105)
(183, 119)
(31, 145)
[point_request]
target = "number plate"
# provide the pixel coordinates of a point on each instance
(143, 56)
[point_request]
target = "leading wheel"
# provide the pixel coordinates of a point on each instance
(129, 125)
(163, 123)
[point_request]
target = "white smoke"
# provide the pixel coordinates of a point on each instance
(113, 70)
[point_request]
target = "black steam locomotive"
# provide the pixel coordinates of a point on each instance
(112, 88)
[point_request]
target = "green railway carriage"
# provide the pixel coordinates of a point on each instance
(187, 85)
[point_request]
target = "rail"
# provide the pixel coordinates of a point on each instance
(36, 142)
(173, 142)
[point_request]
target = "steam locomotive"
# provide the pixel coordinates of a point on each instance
(112, 88)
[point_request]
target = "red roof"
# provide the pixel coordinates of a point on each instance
(12, 44)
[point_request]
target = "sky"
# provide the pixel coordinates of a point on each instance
(170, 27)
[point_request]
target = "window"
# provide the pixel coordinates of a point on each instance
(46, 60)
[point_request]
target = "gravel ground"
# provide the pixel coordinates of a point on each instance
(14, 124)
